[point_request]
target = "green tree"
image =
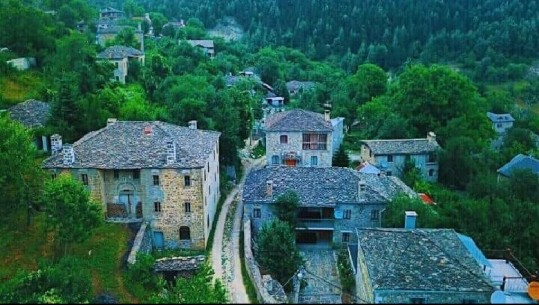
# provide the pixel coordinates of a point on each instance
(72, 214)
(199, 289)
(411, 175)
(20, 174)
(393, 215)
(457, 162)
(65, 282)
(523, 185)
(369, 81)
(286, 207)
(276, 250)
(341, 158)
(126, 37)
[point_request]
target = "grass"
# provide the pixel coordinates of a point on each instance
(249, 287)
(103, 255)
(20, 86)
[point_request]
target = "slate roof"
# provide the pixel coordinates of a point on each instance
(119, 52)
(520, 161)
(31, 113)
(124, 145)
(420, 259)
(401, 146)
(203, 43)
(322, 186)
(296, 85)
(500, 118)
(110, 10)
(297, 120)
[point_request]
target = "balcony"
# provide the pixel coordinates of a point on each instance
(315, 224)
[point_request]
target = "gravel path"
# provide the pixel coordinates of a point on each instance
(225, 255)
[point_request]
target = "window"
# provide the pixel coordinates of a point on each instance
(347, 214)
(187, 180)
(388, 173)
(116, 174)
(499, 125)
(84, 178)
(257, 213)
(314, 160)
(187, 206)
(432, 157)
(431, 172)
(345, 237)
(157, 206)
(155, 179)
(417, 300)
(185, 233)
(374, 214)
(284, 139)
(136, 173)
(390, 158)
(315, 141)
(275, 160)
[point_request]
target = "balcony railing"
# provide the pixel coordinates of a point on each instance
(315, 224)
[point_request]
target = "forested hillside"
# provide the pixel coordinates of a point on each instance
(386, 33)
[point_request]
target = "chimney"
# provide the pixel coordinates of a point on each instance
(409, 219)
(193, 124)
(111, 121)
(269, 188)
(56, 143)
(148, 130)
(431, 136)
(171, 152)
(360, 189)
(69, 154)
(326, 115)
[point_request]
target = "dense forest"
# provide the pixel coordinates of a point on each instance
(392, 69)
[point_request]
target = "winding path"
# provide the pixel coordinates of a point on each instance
(226, 259)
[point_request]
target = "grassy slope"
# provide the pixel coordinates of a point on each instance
(102, 254)
(18, 87)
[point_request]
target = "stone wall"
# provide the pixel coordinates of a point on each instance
(295, 144)
(180, 263)
(267, 290)
(141, 244)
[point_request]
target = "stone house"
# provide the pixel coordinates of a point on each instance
(34, 114)
(390, 155)
(500, 122)
(205, 45)
(159, 173)
(418, 266)
(333, 201)
(121, 57)
(22, 63)
(110, 13)
(520, 161)
(107, 30)
(302, 138)
(297, 87)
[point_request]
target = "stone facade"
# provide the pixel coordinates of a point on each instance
(276, 151)
(427, 167)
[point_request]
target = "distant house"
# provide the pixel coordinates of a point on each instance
(294, 87)
(121, 56)
(419, 266)
(302, 138)
(275, 101)
(33, 114)
(107, 30)
(110, 13)
(205, 45)
(520, 161)
(500, 122)
(23, 63)
(332, 200)
(390, 155)
(151, 171)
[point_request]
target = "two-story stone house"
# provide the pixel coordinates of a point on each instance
(302, 138)
(163, 174)
(121, 57)
(418, 266)
(390, 155)
(333, 201)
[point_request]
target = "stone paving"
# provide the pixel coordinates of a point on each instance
(324, 286)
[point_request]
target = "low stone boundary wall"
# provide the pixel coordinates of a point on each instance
(142, 243)
(268, 290)
(180, 263)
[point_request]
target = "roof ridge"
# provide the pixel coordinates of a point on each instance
(387, 140)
